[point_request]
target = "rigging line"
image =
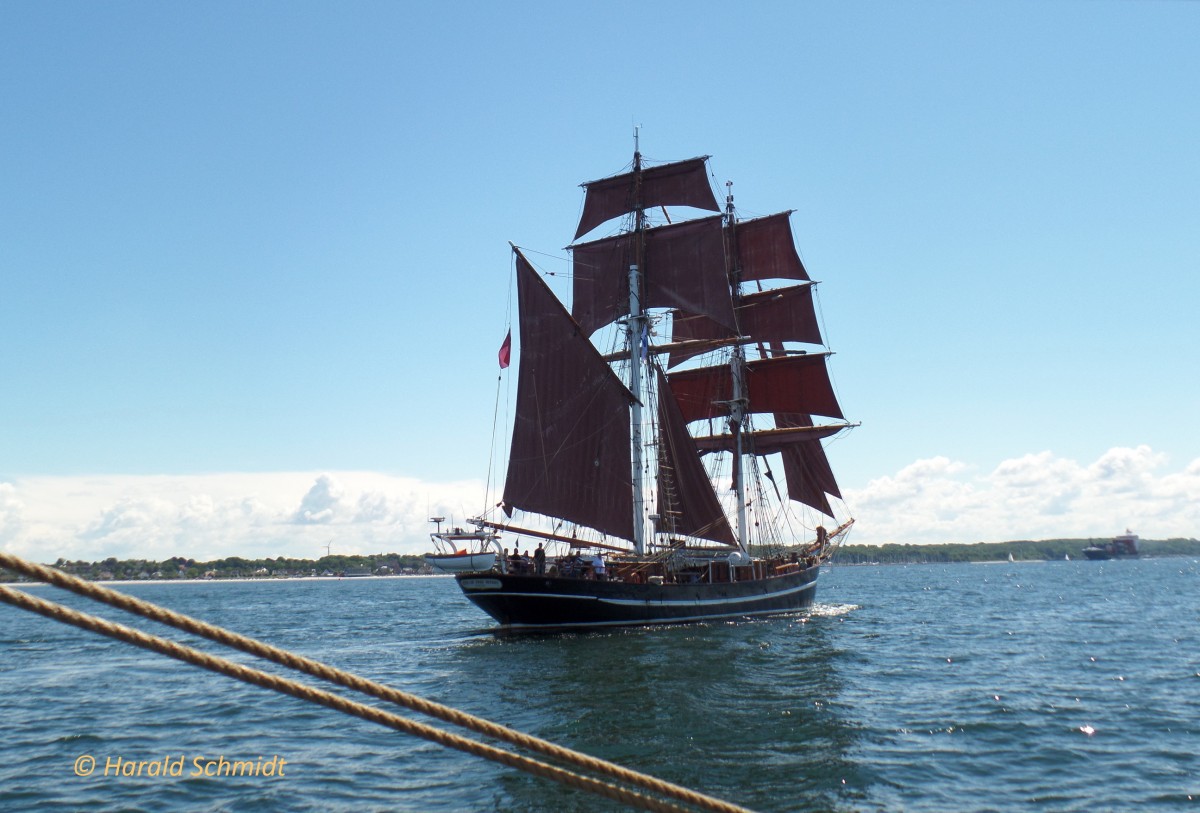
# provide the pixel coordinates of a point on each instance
(512, 284)
(820, 306)
(487, 489)
(325, 672)
(488, 505)
(828, 345)
(557, 257)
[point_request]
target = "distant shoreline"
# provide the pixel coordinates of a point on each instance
(1048, 550)
(229, 568)
(396, 565)
(114, 582)
(914, 562)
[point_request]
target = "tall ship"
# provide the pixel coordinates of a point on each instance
(667, 456)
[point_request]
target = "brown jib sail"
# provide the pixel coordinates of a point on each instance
(686, 501)
(570, 446)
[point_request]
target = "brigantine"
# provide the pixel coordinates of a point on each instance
(613, 457)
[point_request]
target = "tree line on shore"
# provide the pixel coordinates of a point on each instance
(235, 567)
(1021, 550)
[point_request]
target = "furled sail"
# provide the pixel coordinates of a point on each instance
(682, 183)
(779, 315)
(571, 434)
(768, 441)
(687, 503)
(784, 384)
(684, 268)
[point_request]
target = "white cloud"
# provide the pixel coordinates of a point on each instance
(11, 509)
(210, 516)
(321, 504)
(1036, 496)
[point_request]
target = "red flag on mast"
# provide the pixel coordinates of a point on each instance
(506, 350)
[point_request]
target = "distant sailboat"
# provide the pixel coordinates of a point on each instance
(583, 457)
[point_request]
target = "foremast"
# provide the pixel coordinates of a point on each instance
(636, 336)
(737, 372)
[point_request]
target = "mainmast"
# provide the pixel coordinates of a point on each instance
(636, 335)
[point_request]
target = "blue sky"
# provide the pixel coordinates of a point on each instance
(254, 256)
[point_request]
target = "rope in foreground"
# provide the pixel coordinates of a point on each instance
(348, 680)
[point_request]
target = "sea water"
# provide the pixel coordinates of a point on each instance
(1068, 686)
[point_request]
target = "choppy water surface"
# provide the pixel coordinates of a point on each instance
(1042, 686)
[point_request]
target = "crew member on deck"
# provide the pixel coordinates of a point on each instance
(539, 560)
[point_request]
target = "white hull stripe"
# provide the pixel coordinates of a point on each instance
(652, 621)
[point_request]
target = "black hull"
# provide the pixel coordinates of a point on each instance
(548, 603)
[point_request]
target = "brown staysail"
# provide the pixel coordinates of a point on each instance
(682, 183)
(571, 435)
(687, 503)
(798, 442)
(806, 468)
